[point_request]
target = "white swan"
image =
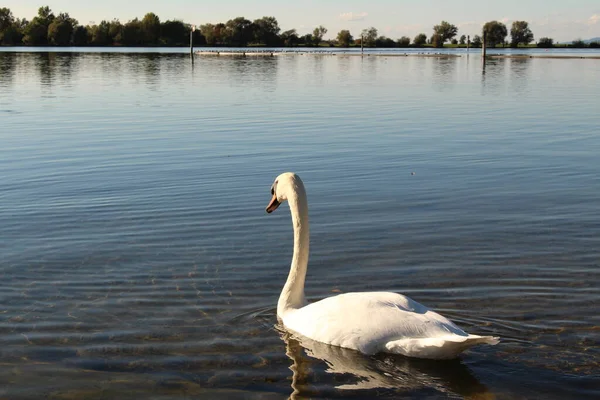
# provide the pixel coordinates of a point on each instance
(370, 322)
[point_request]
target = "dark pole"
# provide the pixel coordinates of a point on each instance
(192, 39)
(362, 44)
(484, 45)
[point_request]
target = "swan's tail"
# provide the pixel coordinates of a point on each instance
(444, 347)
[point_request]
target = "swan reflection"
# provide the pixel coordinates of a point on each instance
(352, 370)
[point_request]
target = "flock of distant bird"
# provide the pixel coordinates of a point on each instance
(316, 52)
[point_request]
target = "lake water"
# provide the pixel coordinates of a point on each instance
(137, 261)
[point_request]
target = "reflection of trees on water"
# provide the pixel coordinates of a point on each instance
(8, 71)
(250, 72)
(56, 69)
(369, 69)
(519, 74)
(501, 74)
(444, 70)
(351, 370)
(492, 80)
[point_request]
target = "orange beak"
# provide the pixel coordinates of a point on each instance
(273, 204)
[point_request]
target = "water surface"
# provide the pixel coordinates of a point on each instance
(136, 258)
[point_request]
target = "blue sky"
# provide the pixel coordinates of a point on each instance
(559, 19)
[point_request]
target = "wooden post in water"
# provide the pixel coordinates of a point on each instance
(484, 45)
(468, 43)
(192, 39)
(362, 44)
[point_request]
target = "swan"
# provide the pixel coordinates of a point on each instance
(369, 322)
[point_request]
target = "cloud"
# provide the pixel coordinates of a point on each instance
(350, 16)
(594, 19)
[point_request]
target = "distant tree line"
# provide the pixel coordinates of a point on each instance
(46, 28)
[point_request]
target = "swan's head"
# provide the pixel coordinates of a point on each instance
(285, 185)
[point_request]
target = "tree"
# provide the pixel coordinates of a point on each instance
(99, 34)
(383, 41)
(9, 32)
(369, 36)
(61, 30)
(437, 40)
(238, 32)
(80, 36)
(463, 40)
(476, 41)
(454, 42)
(150, 26)
(318, 34)
(290, 38)
(174, 33)
(520, 33)
(404, 41)
(36, 32)
(344, 38)
(210, 33)
(266, 31)
(307, 40)
(495, 33)
(446, 31)
(6, 19)
(115, 31)
(578, 43)
(420, 40)
(545, 42)
(133, 33)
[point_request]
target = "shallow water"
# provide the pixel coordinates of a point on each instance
(136, 259)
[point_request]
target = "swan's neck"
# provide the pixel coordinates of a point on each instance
(292, 296)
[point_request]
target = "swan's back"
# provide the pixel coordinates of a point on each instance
(373, 322)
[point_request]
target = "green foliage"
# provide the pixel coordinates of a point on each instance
(404, 41)
(11, 29)
(594, 45)
(99, 34)
(545, 42)
(150, 29)
(463, 40)
(266, 31)
(318, 34)
(133, 33)
(238, 32)
(6, 19)
(383, 41)
(290, 38)
(495, 33)
(476, 42)
(437, 40)
(578, 43)
(60, 30)
(520, 34)
(80, 36)
(344, 38)
(174, 33)
(420, 40)
(306, 40)
(444, 31)
(454, 42)
(211, 34)
(36, 32)
(369, 36)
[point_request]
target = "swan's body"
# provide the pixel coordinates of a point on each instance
(370, 322)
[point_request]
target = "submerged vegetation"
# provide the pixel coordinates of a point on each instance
(48, 29)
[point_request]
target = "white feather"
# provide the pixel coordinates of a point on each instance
(370, 322)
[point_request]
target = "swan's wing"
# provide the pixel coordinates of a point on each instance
(368, 321)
